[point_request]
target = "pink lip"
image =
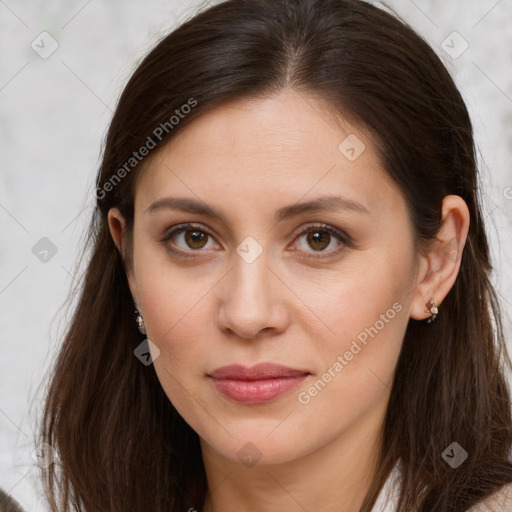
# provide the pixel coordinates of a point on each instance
(260, 383)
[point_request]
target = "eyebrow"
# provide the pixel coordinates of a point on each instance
(321, 204)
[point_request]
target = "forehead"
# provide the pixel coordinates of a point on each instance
(286, 146)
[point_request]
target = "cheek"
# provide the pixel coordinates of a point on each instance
(176, 316)
(356, 364)
(176, 319)
(369, 291)
(173, 301)
(169, 294)
(365, 310)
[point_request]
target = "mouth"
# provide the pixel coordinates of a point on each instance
(261, 383)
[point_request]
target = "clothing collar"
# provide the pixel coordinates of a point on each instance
(388, 496)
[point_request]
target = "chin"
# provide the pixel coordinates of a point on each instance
(251, 447)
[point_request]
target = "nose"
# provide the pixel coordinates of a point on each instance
(252, 299)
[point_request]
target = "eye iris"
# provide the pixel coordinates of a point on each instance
(195, 237)
(318, 239)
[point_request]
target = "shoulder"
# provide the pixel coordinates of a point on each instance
(500, 501)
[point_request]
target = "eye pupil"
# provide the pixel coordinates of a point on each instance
(319, 239)
(195, 237)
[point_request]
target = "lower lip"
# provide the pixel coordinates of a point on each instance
(256, 391)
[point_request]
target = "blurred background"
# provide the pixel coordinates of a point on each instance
(63, 67)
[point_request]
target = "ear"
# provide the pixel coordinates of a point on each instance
(439, 266)
(117, 226)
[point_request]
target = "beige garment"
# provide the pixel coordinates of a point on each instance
(501, 501)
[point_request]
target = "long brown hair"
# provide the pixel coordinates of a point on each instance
(122, 445)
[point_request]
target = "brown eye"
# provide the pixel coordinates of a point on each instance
(321, 239)
(318, 240)
(196, 239)
(188, 238)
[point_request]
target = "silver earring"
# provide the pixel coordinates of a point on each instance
(140, 322)
(431, 307)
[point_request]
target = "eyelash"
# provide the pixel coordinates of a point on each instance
(340, 235)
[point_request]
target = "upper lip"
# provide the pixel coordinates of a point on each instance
(256, 372)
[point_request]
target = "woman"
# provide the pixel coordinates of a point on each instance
(287, 305)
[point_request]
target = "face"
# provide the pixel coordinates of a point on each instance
(290, 249)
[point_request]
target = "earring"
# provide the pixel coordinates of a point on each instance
(140, 322)
(431, 307)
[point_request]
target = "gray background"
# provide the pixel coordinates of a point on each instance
(53, 116)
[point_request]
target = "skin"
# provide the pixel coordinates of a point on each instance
(292, 306)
